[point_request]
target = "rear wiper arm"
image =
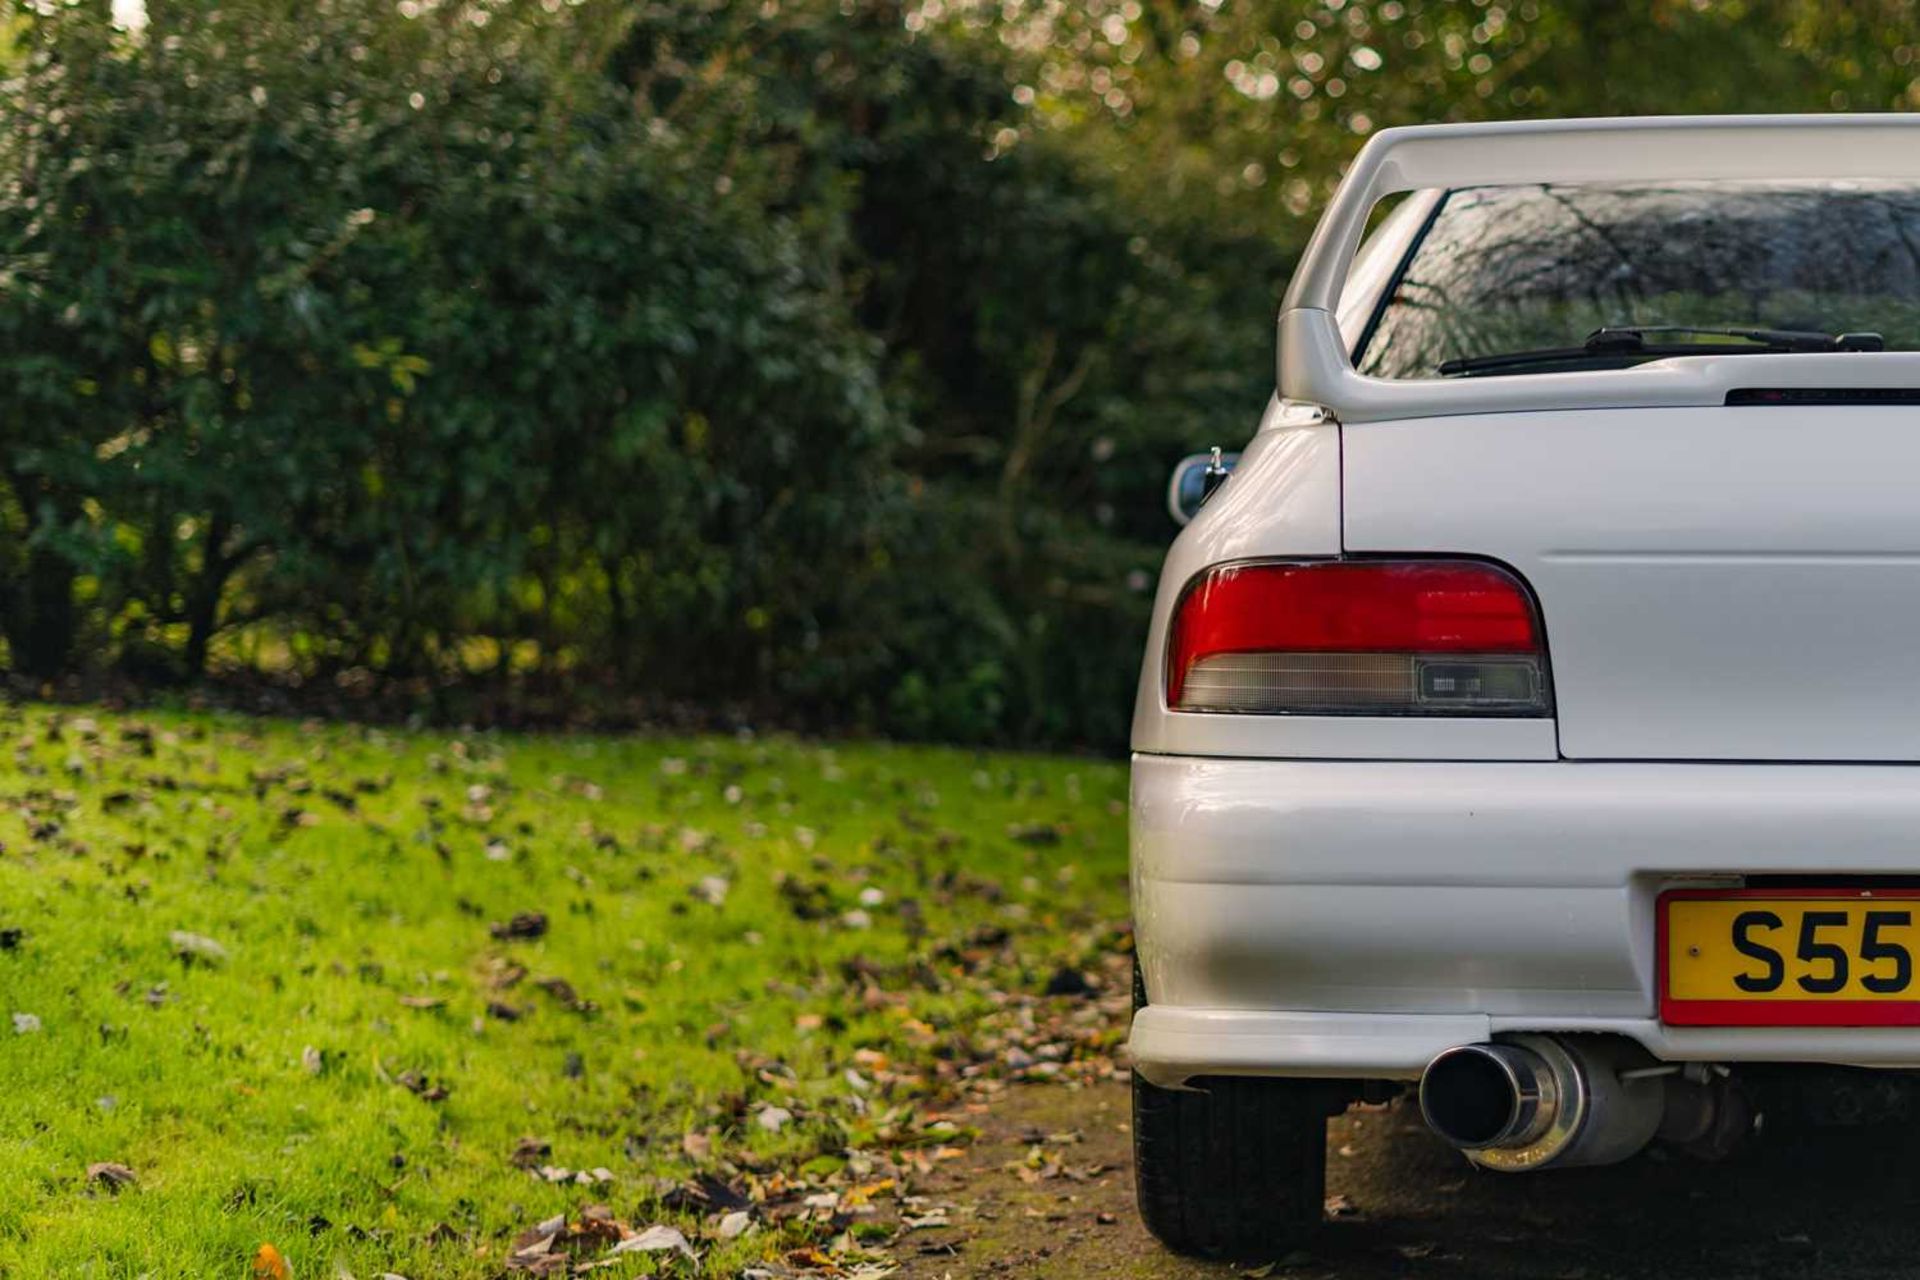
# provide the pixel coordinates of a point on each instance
(1632, 341)
(1633, 337)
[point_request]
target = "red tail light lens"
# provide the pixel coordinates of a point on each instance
(1346, 637)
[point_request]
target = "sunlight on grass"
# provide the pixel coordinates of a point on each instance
(274, 970)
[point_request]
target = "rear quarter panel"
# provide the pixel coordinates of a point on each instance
(1284, 502)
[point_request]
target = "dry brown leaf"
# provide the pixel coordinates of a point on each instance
(111, 1175)
(523, 927)
(269, 1265)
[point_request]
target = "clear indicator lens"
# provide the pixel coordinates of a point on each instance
(1380, 684)
(1482, 682)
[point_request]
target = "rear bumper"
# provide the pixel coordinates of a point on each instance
(1353, 918)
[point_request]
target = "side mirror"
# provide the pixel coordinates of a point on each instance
(1194, 479)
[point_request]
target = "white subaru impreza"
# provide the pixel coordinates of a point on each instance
(1534, 714)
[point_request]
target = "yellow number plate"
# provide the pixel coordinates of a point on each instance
(1821, 958)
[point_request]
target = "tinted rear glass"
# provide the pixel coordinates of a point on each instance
(1523, 268)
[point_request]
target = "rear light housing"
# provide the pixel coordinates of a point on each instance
(1358, 638)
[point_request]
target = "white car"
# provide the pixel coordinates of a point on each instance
(1533, 716)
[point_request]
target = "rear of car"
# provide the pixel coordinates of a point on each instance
(1533, 716)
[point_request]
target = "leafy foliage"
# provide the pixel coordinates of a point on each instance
(817, 358)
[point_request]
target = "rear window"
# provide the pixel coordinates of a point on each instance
(1505, 269)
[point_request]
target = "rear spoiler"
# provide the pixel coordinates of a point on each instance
(1315, 365)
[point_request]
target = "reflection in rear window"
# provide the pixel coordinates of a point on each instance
(1524, 268)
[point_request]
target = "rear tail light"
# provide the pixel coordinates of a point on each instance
(1350, 637)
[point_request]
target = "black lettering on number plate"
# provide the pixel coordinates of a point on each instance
(1872, 949)
(1775, 972)
(1812, 950)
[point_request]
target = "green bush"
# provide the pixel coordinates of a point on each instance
(818, 360)
(396, 338)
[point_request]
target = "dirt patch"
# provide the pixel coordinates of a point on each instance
(1047, 1191)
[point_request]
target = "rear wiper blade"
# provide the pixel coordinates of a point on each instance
(1633, 337)
(1632, 342)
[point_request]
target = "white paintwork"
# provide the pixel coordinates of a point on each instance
(1283, 502)
(1173, 1045)
(1339, 737)
(1314, 355)
(1170, 1045)
(1717, 583)
(1352, 918)
(1346, 896)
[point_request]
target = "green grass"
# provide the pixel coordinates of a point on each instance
(351, 876)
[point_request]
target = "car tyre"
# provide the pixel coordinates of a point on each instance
(1229, 1167)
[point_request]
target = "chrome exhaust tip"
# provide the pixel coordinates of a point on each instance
(1480, 1096)
(1532, 1101)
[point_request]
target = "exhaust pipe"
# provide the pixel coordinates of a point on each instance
(1536, 1101)
(1485, 1097)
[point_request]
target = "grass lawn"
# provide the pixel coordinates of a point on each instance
(390, 1000)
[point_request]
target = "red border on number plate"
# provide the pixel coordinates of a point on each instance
(1778, 1013)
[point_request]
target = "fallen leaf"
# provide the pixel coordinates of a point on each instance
(422, 1086)
(1068, 981)
(196, 948)
(705, 1194)
(655, 1239)
(523, 927)
(562, 990)
(110, 1175)
(269, 1265)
